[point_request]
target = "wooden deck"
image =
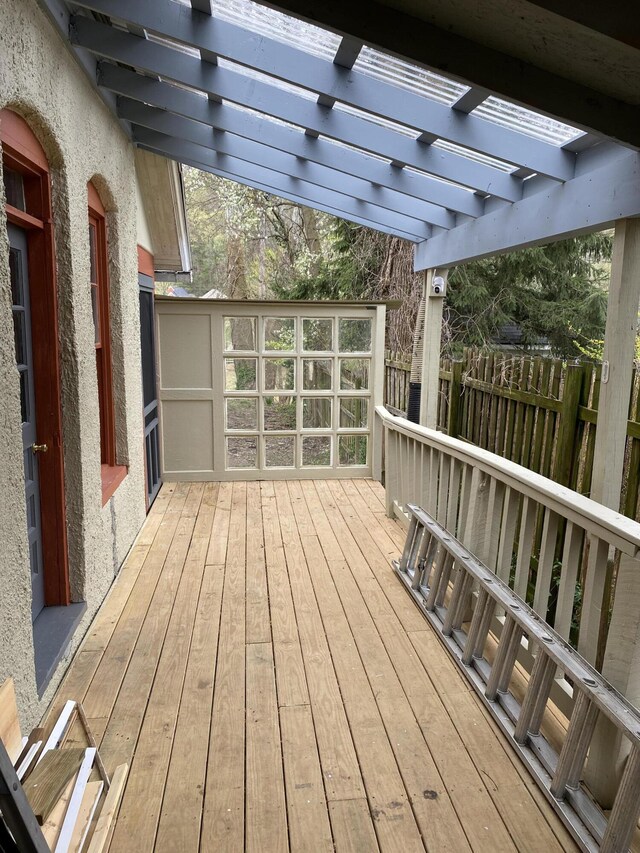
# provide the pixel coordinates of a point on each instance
(274, 688)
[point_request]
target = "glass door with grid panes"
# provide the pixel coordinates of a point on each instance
(298, 389)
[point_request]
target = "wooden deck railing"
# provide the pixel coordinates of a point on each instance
(553, 547)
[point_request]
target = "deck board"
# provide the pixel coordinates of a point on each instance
(274, 688)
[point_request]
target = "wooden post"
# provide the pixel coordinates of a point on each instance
(455, 390)
(619, 343)
(622, 656)
(431, 353)
(568, 424)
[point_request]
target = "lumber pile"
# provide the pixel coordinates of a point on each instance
(53, 796)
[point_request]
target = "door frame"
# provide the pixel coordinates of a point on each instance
(23, 153)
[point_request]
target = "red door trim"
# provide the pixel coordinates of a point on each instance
(23, 152)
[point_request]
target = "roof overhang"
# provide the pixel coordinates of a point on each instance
(443, 150)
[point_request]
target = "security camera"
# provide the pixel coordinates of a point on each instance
(438, 286)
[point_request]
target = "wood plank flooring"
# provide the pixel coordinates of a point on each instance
(274, 688)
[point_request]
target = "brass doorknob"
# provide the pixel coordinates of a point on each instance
(39, 448)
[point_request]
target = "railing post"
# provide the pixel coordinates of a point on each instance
(455, 392)
(568, 424)
(622, 655)
(430, 374)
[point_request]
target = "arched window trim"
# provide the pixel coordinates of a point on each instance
(112, 473)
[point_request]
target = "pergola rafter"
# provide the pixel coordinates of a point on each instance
(258, 177)
(412, 186)
(239, 88)
(455, 170)
(228, 144)
(244, 47)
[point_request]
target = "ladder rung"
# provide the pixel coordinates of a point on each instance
(575, 747)
(535, 700)
(479, 617)
(505, 659)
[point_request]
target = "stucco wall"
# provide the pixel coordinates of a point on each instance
(40, 80)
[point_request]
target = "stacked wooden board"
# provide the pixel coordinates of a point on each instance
(67, 789)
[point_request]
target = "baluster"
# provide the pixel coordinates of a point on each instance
(508, 534)
(535, 700)
(545, 563)
(575, 747)
(505, 659)
(525, 546)
(571, 555)
(592, 601)
(626, 807)
(432, 504)
(493, 520)
(445, 467)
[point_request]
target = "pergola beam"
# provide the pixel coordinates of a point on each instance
(341, 204)
(443, 51)
(413, 186)
(585, 204)
(271, 100)
(277, 161)
(351, 87)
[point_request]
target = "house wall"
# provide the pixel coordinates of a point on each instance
(40, 80)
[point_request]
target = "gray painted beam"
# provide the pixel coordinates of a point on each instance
(443, 51)
(183, 151)
(172, 20)
(278, 161)
(220, 173)
(412, 185)
(335, 124)
(588, 203)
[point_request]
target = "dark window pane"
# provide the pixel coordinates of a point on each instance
(14, 188)
(93, 274)
(24, 396)
(95, 308)
(19, 334)
(147, 347)
(15, 272)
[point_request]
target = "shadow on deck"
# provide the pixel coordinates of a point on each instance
(274, 688)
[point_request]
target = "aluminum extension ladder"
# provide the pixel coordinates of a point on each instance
(443, 577)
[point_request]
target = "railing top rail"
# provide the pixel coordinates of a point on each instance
(607, 524)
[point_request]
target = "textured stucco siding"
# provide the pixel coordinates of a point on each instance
(40, 80)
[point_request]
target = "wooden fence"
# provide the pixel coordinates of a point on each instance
(538, 412)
